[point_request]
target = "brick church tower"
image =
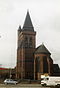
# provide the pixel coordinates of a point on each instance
(25, 51)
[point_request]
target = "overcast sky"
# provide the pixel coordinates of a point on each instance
(45, 16)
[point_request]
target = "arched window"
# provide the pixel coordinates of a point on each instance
(37, 64)
(45, 65)
(30, 42)
(26, 39)
(26, 42)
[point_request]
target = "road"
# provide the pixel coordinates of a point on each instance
(23, 86)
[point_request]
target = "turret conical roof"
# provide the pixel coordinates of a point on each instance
(28, 23)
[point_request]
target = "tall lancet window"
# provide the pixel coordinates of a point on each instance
(30, 42)
(45, 65)
(37, 64)
(26, 42)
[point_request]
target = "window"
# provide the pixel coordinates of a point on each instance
(26, 39)
(30, 42)
(45, 65)
(38, 64)
(26, 42)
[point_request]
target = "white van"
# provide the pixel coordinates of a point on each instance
(50, 81)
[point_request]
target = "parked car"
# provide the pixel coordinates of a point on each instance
(10, 81)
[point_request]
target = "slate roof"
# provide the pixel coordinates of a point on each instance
(28, 23)
(42, 50)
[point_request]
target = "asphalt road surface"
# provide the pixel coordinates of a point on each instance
(23, 86)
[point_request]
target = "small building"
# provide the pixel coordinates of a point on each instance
(7, 73)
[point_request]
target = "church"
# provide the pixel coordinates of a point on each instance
(32, 62)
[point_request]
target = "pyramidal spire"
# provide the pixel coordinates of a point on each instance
(28, 23)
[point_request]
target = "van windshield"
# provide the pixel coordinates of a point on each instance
(46, 79)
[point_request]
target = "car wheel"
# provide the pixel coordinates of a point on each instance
(58, 85)
(6, 83)
(44, 84)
